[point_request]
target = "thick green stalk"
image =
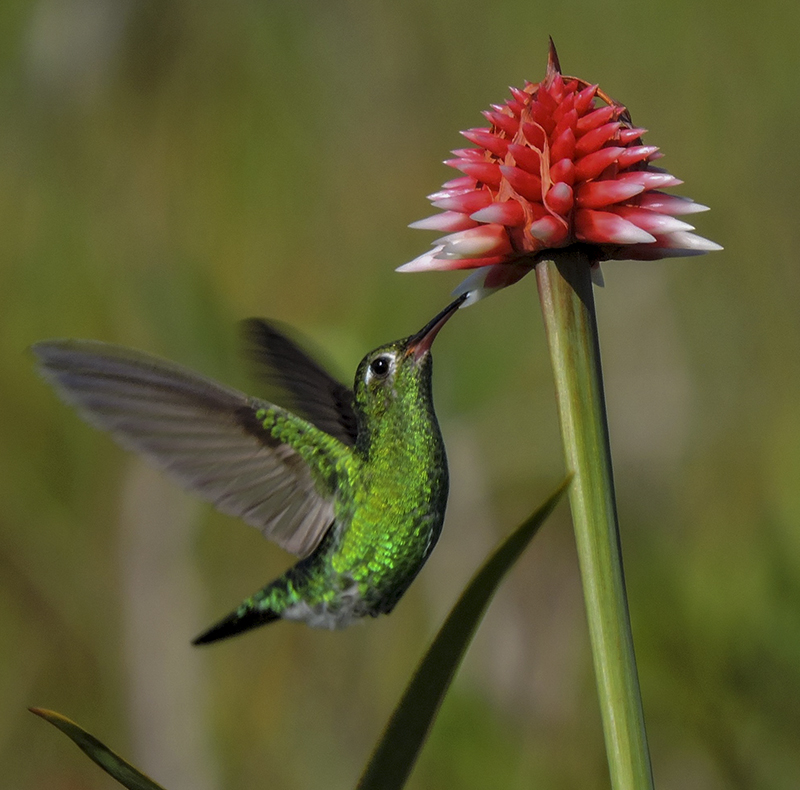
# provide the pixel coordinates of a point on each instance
(565, 292)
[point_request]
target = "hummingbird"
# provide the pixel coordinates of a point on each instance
(353, 482)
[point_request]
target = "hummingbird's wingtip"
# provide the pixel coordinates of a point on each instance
(45, 351)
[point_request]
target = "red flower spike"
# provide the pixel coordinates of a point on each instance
(630, 135)
(508, 213)
(635, 154)
(559, 199)
(472, 154)
(563, 147)
(563, 170)
(485, 172)
(535, 135)
(519, 95)
(651, 221)
(526, 184)
(592, 165)
(671, 204)
(491, 142)
(548, 230)
(462, 182)
(597, 194)
(650, 179)
(527, 158)
(594, 119)
(481, 242)
(567, 121)
(446, 222)
(595, 139)
(503, 122)
(560, 164)
(613, 228)
(468, 202)
(448, 193)
(584, 99)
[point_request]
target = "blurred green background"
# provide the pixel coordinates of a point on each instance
(169, 167)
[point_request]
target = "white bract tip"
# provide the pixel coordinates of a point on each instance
(671, 225)
(423, 263)
(632, 235)
(690, 207)
(436, 222)
(691, 241)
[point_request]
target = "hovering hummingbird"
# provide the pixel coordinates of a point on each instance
(354, 483)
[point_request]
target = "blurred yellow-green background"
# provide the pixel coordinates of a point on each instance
(168, 168)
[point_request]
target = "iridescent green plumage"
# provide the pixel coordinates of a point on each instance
(355, 483)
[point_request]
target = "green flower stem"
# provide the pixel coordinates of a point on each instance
(565, 292)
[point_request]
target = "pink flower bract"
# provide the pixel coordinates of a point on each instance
(560, 164)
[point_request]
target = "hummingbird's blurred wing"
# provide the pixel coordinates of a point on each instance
(204, 434)
(314, 393)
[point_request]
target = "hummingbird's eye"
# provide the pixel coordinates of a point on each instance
(380, 366)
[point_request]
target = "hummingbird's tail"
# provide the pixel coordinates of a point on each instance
(243, 619)
(293, 596)
(267, 605)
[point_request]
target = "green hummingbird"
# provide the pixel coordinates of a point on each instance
(354, 482)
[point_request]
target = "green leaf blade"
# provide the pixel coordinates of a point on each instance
(111, 763)
(396, 753)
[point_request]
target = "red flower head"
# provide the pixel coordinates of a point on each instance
(560, 164)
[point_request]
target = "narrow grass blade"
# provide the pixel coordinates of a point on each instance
(397, 751)
(112, 763)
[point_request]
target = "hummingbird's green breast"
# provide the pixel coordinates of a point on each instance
(400, 494)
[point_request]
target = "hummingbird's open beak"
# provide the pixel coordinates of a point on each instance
(420, 344)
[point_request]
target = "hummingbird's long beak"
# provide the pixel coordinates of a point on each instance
(420, 344)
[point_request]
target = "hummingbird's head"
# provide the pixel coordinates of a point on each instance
(399, 372)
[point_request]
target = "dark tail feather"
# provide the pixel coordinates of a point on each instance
(236, 623)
